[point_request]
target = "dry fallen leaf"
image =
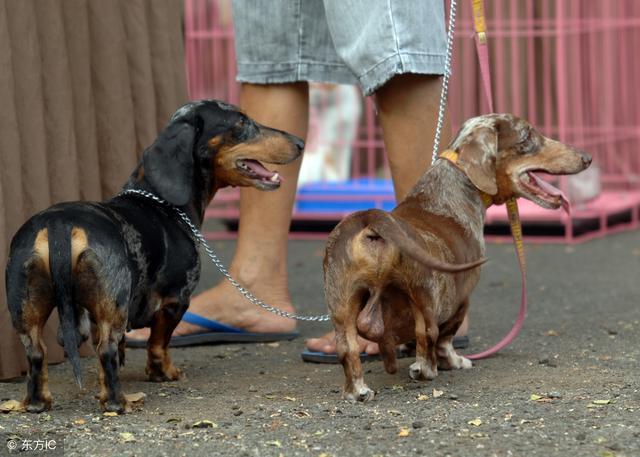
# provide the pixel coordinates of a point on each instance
(11, 405)
(275, 443)
(601, 402)
(273, 345)
(475, 422)
(290, 398)
(136, 397)
(127, 437)
(552, 333)
(437, 393)
(404, 431)
(422, 397)
(535, 397)
(79, 422)
(110, 414)
(204, 424)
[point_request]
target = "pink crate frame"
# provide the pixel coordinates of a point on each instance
(568, 66)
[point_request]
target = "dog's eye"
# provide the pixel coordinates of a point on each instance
(243, 130)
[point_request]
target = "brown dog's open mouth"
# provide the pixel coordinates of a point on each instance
(255, 170)
(542, 192)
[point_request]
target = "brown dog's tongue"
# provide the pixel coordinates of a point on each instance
(552, 190)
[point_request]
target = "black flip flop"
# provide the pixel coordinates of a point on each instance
(217, 333)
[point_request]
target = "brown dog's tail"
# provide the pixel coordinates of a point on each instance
(384, 225)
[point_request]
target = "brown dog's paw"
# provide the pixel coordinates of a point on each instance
(420, 369)
(362, 394)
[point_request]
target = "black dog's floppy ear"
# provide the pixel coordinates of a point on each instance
(168, 163)
(477, 159)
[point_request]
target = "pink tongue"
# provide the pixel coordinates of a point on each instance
(258, 169)
(548, 188)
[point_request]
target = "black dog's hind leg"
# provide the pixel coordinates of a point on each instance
(159, 365)
(106, 341)
(109, 322)
(36, 310)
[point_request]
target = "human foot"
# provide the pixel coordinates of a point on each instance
(327, 343)
(225, 304)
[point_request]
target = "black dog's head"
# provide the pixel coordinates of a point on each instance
(208, 145)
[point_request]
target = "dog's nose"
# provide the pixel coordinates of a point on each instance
(586, 158)
(298, 142)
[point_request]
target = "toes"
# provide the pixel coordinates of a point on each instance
(321, 345)
(170, 374)
(141, 334)
(121, 406)
(421, 370)
(372, 348)
(37, 406)
(363, 394)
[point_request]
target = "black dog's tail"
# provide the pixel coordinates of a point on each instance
(59, 235)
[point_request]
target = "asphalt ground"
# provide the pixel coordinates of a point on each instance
(568, 386)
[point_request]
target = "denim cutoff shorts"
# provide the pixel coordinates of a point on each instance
(364, 42)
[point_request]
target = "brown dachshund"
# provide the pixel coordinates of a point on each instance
(394, 277)
(130, 262)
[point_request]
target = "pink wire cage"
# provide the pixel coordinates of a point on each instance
(567, 66)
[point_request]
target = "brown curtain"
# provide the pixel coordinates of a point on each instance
(85, 85)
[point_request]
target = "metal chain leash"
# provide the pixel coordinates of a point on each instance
(214, 258)
(216, 261)
(445, 81)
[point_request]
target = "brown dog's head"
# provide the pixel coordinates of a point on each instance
(500, 154)
(208, 145)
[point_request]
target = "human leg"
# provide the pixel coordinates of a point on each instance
(260, 261)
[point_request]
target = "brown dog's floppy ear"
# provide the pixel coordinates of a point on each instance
(168, 163)
(477, 159)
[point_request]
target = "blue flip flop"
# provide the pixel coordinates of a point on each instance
(459, 342)
(216, 333)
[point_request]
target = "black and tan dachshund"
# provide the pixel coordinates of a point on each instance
(129, 262)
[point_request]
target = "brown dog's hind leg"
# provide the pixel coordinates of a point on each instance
(348, 351)
(159, 365)
(425, 366)
(388, 352)
(448, 358)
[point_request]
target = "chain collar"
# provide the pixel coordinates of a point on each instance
(216, 261)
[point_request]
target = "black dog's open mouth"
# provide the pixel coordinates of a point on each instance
(255, 170)
(542, 192)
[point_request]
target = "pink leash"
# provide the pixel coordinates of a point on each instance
(516, 231)
(512, 206)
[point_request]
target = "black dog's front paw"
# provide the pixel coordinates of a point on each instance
(158, 372)
(36, 405)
